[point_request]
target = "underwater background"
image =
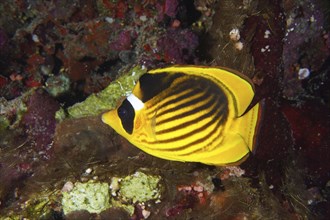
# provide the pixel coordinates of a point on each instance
(64, 63)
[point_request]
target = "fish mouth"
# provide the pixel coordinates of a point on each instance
(105, 117)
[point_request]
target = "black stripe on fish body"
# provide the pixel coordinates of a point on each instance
(191, 102)
(194, 145)
(188, 113)
(217, 109)
(203, 90)
(169, 100)
(180, 85)
(184, 125)
(178, 97)
(209, 145)
(126, 114)
(208, 113)
(153, 84)
(195, 99)
(214, 115)
(207, 142)
(172, 95)
(224, 86)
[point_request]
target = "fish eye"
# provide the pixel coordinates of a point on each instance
(126, 114)
(122, 112)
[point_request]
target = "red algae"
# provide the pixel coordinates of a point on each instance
(310, 124)
(171, 7)
(267, 51)
(178, 46)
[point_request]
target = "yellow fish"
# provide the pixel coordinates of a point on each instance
(190, 113)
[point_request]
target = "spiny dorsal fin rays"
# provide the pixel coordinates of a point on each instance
(241, 88)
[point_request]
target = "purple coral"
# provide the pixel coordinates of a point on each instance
(40, 119)
(178, 46)
(171, 7)
(123, 41)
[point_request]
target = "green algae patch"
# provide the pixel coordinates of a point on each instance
(60, 115)
(4, 123)
(16, 106)
(107, 98)
(90, 196)
(39, 205)
(136, 188)
(125, 192)
(140, 187)
(57, 85)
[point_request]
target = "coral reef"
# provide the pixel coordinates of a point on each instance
(93, 197)
(107, 99)
(39, 119)
(139, 187)
(62, 63)
(178, 46)
(304, 45)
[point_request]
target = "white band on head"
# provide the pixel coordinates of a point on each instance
(135, 102)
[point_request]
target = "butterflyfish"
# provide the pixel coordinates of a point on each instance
(190, 114)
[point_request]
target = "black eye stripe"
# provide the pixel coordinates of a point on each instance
(126, 114)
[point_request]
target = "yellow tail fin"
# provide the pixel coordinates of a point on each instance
(248, 125)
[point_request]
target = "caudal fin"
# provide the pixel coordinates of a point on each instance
(248, 126)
